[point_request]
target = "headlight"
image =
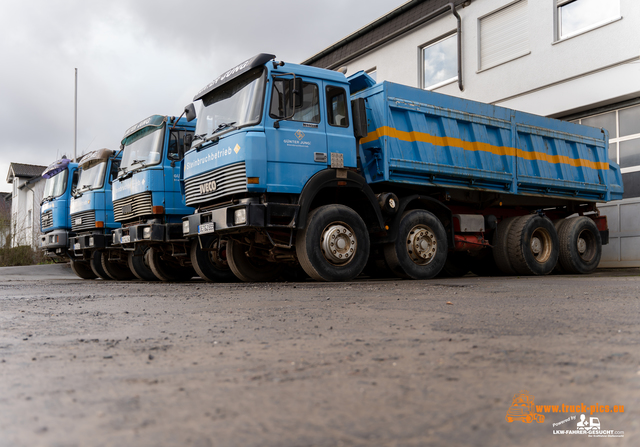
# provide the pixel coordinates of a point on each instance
(114, 240)
(185, 226)
(146, 233)
(91, 241)
(240, 216)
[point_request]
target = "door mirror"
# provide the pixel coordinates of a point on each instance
(297, 93)
(359, 113)
(190, 112)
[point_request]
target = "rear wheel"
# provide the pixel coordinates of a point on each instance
(533, 245)
(115, 270)
(82, 269)
(420, 251)
(334, 245)
(138, 262)
(166, 268)
(96, 265)
(501, 246)
(210, 260)
(580, 245)
(250, 269)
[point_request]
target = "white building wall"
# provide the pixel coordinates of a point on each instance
(25, 212)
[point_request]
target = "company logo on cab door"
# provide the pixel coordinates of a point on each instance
(208, 187)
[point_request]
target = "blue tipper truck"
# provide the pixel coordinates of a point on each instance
(297, 164)
(92, 217)
(148, 199)
(55, 222)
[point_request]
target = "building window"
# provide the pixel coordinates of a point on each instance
(503, 35)
(624, 135)
(439, 62)
(576, 16)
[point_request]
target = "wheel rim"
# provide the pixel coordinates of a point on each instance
(422, 245)
(541, 245)
(586, 245)
(338, 242)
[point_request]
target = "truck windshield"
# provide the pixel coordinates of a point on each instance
(143, 148)
(56, 185)
(92, 178)
(235, 105)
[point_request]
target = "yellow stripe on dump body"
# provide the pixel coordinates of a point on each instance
(478, 146)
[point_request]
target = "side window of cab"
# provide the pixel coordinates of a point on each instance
(337, 111)
(282, 102)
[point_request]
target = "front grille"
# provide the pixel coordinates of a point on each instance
(46, 219)
(83, 220)
(132, 207)
(228, 180)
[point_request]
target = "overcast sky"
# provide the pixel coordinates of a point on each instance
(138, 58)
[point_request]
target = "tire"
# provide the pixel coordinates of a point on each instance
(558, 223)
(533, 245)
(138, 262)
(96, 266)
(458, 264)
(501, 246)
(423, 261)
(249, 269)
(580, 245)
(211, 265)
(167, 269)
(115, 270)
(83, 269)
(334, 246)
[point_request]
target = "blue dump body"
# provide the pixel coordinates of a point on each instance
(419, 137)
(55, 221)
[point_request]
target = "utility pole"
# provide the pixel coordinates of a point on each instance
(75, 120)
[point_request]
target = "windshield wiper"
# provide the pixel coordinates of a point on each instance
(47, 199)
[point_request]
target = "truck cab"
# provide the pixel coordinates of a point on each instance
(91, 214)
(148, 200)
(55, 222)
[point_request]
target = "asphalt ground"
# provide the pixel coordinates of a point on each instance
(363, 363)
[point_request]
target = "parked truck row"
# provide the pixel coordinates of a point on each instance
(290, 168)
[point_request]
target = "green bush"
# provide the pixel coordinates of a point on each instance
(22, 255)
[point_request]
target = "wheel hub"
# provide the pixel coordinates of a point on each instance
(541, 245)
(338, 243)
(536, 245)
(422, 245)
(582, 245)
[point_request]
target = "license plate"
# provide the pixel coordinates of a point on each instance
(76, 246)
(206, 228)
(125, 239)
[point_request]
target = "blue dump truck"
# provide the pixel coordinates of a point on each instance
(148, 199)
(92, 218)
(295, 164)
(55, 222)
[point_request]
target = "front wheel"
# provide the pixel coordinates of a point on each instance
(420, 251)
(334, 245)
(250, 269)
(115, 270)
(96, 266)
(138, 262)
(82, 269)
(166, 269)
(210, 259)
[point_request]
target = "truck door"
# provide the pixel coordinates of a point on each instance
(297, 148)
(175, 153)
(340, 137)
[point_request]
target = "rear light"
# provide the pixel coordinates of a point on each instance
(157, 210)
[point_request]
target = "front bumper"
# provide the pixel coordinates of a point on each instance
(240, 217)
(89, 241)
(152, 232)
(54, 240)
